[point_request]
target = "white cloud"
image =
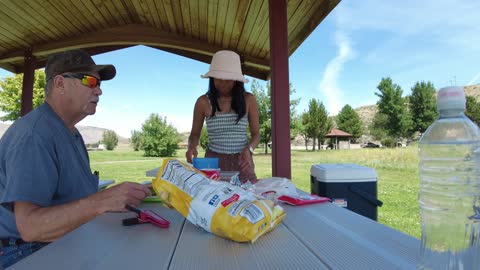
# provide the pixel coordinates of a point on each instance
(474, 79)
(329, 85)
(450, 25)
(127, 107)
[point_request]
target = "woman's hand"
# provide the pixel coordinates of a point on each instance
(191, 153)
(245, 159)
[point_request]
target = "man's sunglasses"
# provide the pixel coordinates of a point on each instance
(87, 80)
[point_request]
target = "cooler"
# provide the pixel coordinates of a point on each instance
(348, 185)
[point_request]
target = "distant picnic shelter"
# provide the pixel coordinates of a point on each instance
(339, 136)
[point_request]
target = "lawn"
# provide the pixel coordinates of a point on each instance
(397, 170)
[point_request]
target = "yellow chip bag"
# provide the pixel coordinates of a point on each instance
(221, 208)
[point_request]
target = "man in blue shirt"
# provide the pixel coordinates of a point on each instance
(47, 188)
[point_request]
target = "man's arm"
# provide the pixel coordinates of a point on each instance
(46, 224)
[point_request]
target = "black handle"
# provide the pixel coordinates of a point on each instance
(365, 195)
(131, 221)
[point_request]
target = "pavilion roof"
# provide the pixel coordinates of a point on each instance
(192, 28)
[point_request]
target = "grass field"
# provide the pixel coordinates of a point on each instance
(397, 169)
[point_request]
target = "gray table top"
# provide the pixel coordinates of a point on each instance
(320, 236)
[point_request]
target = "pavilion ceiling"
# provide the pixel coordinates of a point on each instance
(192, 28)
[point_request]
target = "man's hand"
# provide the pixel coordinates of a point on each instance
(116, 197)
(46, 224)
(191, 153)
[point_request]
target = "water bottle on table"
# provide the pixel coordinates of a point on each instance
(449, 198)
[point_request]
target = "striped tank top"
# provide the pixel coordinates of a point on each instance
(225, 135)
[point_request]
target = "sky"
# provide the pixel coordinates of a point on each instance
(341, 62)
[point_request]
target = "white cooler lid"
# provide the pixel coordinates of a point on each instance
(343, 173)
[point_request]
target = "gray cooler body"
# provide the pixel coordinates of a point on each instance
(348, 185)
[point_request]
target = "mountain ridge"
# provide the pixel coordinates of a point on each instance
(90, 134)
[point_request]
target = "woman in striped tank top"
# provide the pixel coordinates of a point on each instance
(227, 110)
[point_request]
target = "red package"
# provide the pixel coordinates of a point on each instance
(213, 174)
(302, 199)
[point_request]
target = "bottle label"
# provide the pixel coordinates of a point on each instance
(342, 202)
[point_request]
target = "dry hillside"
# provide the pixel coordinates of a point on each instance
(89, 134)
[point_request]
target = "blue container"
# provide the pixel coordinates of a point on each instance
(205, 163)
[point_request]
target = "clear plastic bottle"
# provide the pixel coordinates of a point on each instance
(449, 198)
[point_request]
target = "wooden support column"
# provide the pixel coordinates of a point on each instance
(281, 159)
(27, 87)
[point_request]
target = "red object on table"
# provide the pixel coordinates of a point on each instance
(302, 199)
(145, 216)
(213, 174)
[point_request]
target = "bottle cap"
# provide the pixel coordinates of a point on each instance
(449, 98)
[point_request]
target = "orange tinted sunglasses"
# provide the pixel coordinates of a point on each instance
(87, 80)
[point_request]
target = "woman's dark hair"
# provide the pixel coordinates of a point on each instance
(238, 98)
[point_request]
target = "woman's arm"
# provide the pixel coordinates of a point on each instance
(253, 123)
(197, 124)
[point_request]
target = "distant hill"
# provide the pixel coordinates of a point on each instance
(90, 134)
(473, 90)
(94, 134)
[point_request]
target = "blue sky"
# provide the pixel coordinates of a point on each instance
(340, 63)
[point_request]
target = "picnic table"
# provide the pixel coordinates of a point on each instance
(319, 236)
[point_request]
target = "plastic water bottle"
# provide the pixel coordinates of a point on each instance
(449, 197)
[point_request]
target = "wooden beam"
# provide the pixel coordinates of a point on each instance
(280, 89)
(126, 35)
(9, 67)
(27, 87)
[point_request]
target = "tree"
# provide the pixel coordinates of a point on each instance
(473, 110)
(315, 121)
(263, 97)
(349, 121)
(326, 124)
(136, 140)
(377, 127)
(110, 139)
(204, 138)
(423, 105)
(11, 94)
(392, 105)
(302, 129)
(328, 127)
(264, 113)
(159, 139)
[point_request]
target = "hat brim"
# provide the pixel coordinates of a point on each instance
(106, 72)
(224, 75)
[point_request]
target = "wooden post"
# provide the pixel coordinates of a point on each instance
(27, 87)
(281, 166)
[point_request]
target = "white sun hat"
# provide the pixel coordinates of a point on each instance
(226, 66)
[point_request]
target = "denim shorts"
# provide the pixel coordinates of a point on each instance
(12, 254)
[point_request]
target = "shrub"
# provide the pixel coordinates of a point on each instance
(158, 138)
(389, 142)
(110, 139)
(204, 138)
(136, 140)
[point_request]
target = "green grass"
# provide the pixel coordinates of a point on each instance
(397, 169)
